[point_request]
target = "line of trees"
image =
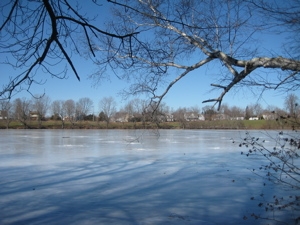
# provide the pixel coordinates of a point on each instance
(137, 110)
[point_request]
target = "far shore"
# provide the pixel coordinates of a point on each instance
(217, 124)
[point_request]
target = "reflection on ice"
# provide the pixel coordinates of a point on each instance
(99, 177)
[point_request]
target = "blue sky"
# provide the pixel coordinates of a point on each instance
(190, 91)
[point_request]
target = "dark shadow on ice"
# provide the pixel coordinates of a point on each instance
(106, 191)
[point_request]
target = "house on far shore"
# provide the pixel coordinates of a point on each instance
(254, 118)
(237, 118)
(3, 115)
(193, 117)
(121, 117)
(169, 117)
(33, 115)
(269, 116)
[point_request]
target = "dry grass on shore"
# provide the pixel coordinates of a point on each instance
(220, 124)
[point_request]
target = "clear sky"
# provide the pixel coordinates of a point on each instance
(190, 91)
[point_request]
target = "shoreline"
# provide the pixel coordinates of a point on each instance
(212, 125)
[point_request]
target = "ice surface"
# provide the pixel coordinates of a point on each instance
(120, 177)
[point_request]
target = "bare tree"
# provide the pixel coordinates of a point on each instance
(225, 109)
(129, 110)
(179, 116)
(41, 105)
(134, 109)
(232, 111)
(258, 109)
(236, 111)
(35, 35)
(156, 113)
(138, 110)
(59, 111)
(83, 107)
(6, 112)
(70, 110)
(195, 109)
(21, 109)
(108, 106)
(291, 103)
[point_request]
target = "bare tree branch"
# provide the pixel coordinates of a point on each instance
(225, 37)
(35, 33)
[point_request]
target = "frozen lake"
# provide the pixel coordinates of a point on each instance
(108, 177)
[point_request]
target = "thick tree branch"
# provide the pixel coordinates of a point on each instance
(35, 33)
(248, 67)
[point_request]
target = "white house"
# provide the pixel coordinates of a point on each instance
(193, 116)
(269, 116)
